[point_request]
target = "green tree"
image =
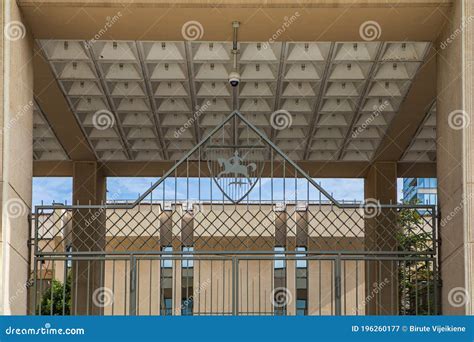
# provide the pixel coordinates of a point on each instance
(56, 300)
(416, 276)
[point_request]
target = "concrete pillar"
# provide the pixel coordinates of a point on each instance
(88, 227)
(454, 158)
(16, 162)
(468, 150)
(380, 235)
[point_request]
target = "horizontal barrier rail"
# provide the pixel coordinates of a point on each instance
(252, 284)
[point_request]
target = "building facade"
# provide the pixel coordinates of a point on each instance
(420, 190)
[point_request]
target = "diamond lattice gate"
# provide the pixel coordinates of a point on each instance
(235, 227)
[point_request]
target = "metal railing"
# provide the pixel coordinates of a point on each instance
(234, 227)
(239, 284)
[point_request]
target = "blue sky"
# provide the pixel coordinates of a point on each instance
(59, 189)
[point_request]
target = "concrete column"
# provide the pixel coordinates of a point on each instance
(380, 235)
(454, 158)
(468, 150)
(16, 162)
(88, 230)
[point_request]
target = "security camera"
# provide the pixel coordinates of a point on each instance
(234, 78)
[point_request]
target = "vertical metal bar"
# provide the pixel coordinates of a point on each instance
(51, 313)
(64, 285)
(212, 276)
(436, 300)
(113, 285)
(133, 286)
(357, 287)
(75, 286)
(235, 286)
(271, 176)
(427, 265)
(416, 287)
(320, 284)
(35, 286)
(125, 288)
(150, 292)
(223, 286)
(247, 285)
(344, 281)
(337, 284)
(88, 299)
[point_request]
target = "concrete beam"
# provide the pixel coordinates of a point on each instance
(56, 110)
(412, 111)
(156, 169)
(163, 20)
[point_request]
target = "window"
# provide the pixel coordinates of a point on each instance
(166, 282)
(279, 262)
(301, 282)
(279, 281)
(187, 280)
(301, 307)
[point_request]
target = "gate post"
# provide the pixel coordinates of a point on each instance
(337, 286)
(133, 285)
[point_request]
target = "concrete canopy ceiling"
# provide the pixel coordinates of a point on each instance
(151, 80)
(342, 96)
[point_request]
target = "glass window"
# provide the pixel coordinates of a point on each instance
(187, 258)
(166, 262)
(279, 281)
(301, 307)
(187, 281)
(301, 282)
(166, 283)
(301, 263)
(280, 262)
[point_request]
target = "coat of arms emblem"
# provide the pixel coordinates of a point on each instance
(235, 171)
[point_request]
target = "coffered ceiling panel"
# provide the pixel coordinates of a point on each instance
(150, 100)
(45, 144)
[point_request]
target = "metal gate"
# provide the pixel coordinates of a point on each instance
(235, 227)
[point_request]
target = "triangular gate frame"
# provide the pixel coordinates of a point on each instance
(261, 136)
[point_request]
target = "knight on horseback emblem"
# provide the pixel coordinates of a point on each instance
(233, 172)
(234, 166)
